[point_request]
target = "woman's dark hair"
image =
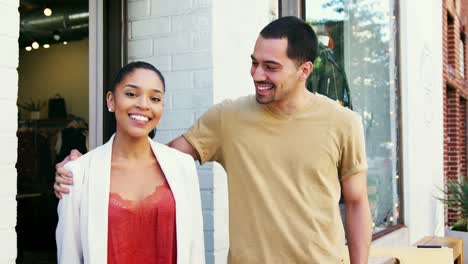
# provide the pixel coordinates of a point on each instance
(131, 67)
(302, 40)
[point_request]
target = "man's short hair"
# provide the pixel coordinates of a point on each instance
(302, 40)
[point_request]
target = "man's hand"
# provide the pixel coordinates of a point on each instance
(63, 176)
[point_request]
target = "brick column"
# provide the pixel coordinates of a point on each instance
(453, 136)
(9, 32)
(455, 156)
(462, 136)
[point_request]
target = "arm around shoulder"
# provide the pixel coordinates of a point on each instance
(182, 144)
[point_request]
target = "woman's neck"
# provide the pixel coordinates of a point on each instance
(130, 149)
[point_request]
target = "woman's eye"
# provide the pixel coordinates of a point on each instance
(156, 99)
(129, 94)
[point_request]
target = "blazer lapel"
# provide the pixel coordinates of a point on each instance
(174, 178)
(168, 166)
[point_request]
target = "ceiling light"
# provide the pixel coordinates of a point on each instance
(65, 43)
(46, 46)
(35, 45)
(47, 11)
(28, 48)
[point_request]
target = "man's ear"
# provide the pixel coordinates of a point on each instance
(305, 70)
(110, 101)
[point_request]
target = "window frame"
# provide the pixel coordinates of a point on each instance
(107, 54)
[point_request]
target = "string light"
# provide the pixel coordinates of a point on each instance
(35, 45)
(46, 46)
(28, 48)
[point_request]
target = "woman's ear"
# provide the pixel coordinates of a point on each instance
(110, 101)
(305, 70)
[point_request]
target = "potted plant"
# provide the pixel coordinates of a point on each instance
(33, 107)
(456, 199)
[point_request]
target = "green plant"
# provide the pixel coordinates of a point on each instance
(456, 199)
(32, 105)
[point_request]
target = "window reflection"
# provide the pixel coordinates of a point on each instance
(357, 67)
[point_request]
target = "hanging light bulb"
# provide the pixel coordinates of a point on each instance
(65, 43)
(28, 48)
(35, 45)
(47, 11)
(46, 46)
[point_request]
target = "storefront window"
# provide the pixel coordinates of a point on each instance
(357, 66)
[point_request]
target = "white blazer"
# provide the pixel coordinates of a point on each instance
(81, 233)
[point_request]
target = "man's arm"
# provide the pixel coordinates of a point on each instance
(358, 217)
(183, 145)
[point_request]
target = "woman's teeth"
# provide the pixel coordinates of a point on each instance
(139, 118)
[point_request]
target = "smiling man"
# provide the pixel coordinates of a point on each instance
(288, 154)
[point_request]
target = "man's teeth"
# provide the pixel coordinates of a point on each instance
(139, 117)
(262, 88)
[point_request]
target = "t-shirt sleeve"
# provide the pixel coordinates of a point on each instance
(353, 154)
(206, 135)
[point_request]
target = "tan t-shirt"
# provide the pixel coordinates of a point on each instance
(284, 176)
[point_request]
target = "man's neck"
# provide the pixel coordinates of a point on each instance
(293, 103)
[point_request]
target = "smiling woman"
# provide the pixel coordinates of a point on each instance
(132, 179)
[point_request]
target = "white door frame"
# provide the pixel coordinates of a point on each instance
(95, 73)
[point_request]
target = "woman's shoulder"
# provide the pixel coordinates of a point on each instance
(84, 160)
(174, 153)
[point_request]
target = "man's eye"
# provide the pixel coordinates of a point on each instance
(156, 99)
(254, 63)
(270, 68)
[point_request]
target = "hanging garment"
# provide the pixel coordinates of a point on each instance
(329, 78)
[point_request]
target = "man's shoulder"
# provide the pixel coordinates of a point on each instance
(336, 112)
(238, 103)
(228, 107)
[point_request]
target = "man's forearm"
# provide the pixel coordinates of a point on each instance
(181, 144)
(358, 230)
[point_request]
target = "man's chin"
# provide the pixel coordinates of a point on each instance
(262, 100)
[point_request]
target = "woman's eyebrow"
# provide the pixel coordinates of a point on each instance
(134, 86)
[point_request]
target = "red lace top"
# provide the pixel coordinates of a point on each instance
(142, 232)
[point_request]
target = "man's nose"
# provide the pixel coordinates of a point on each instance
(258, 74)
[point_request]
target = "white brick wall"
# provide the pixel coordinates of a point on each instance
(9, 18)
(203, 50)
